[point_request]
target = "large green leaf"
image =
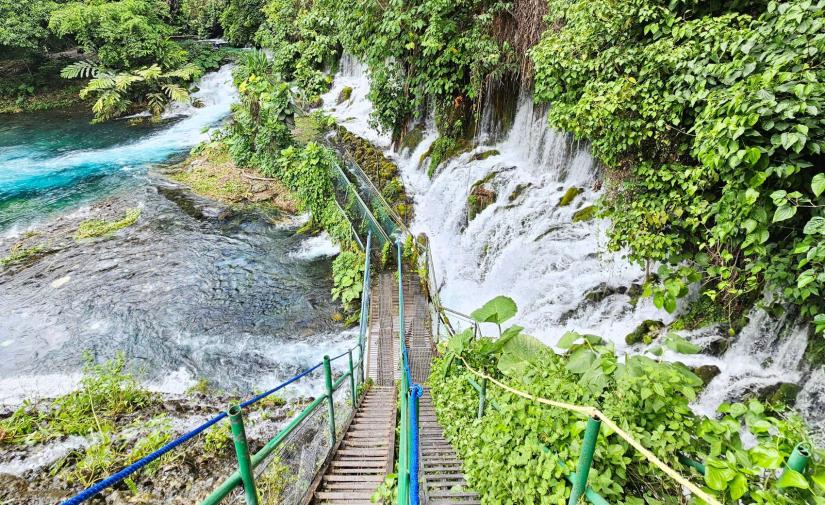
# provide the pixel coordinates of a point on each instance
(677, 343)
(459, 341)
(498, 310)
(495, 346)
(815, 226)
(518, 352)
(568, 339)
(581, 360)
(792, 478)
(766, 457)
(783, 213)
(818, 184)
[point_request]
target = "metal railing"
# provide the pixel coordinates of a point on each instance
(409, 393)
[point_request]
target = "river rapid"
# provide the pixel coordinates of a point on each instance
(193, 290)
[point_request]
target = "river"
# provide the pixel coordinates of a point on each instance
(191, 291)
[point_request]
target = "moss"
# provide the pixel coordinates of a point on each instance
(484, 155)
(584, 214)
(413, 138)
(444, 149)
(480, 198)
(307, 129)
(344, 95)
(96, 228)
(520, 189)
(569, 196)
(648, 330)
(815, 352)
(700, 313)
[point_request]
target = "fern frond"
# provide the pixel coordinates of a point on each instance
(109, 104)
(149, 73)
(82, 69)
(124, 80)
(186, 72)
(100, 83)
(176, 93)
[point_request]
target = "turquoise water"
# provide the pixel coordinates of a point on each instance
(192, 290)
(53, 161)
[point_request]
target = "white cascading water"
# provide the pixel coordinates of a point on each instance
(526, 246)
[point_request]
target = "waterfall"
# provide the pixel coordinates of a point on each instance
(559, 272)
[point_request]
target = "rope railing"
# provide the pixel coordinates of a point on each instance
(595, 418)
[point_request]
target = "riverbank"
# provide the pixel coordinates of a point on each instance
(53, 448)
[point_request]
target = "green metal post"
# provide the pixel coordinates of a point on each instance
(352, 380)
(799, 458)
(330, 399)
(482, 398)
(591, 434)
(242, 452)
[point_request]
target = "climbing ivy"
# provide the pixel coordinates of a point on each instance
(710, 124)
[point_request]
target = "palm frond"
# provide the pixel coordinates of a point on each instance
(124, 80)
(102, 82)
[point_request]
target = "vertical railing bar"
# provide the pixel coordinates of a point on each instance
(242, 452)
(352, 380)
(591, 435)
(330, 399)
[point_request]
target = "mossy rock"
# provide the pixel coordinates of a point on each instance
(97, 228)
(584, 214)
(344, 95)
(569, 196)
(706, 373)
(413, 138)
(520, 189)
(484, 155)
(480, 198)
(645, 332)
(782, 393)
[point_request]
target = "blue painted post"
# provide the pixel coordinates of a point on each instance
(415, 394)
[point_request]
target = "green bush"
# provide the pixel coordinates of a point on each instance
(711, 125)
(520, 450)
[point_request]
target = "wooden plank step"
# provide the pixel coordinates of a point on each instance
(334, 477)
(349, 495)
(357, 485)
(362, 452)
(360, 463)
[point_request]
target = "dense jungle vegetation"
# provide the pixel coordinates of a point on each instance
(707, 119)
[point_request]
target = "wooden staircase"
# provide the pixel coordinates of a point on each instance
(366, 453)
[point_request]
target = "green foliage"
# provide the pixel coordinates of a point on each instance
(240, 20)
(25, 24)
(95, 228)
(116, 91)
(347, 279)
(422, 51)
(107, 391)
(217, 438)
(201, 18)
(122, 34)
(712, 130)
(520, 451)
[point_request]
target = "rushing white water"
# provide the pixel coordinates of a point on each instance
(767, 351)
(523, 245)
(526, 246)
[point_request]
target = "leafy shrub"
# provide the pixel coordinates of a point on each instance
(520, 451)
(347, 278)
(712, 130)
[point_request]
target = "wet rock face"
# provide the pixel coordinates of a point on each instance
(645, 332)
(480, 198)
(707, 373)
(782, 393)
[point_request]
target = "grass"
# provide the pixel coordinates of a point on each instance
(217, 438)
(19, 254)
(96, 228)
(106, 393)
(273, 482)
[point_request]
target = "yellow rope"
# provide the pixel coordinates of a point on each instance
(594, 412)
